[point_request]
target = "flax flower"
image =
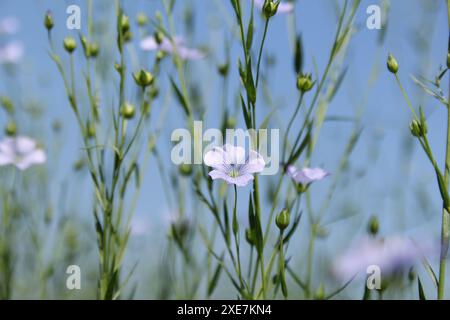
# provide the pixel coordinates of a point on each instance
(233, 165)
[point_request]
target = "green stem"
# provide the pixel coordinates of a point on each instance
(406, 97)
(445, 217)
(266, 25)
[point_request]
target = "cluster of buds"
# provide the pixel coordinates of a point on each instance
(90, 49)
(125, 28)
(304, 82)
(270, 8)
(419, 128)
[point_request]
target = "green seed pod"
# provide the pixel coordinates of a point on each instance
(143, 78)
(128, 111)
(373, 225)
(392, 64)
(48, 21)
(141, 19)
(185, 169)
(270, 8)
(282, 220)
(11, 128)
(70, 44)
(304, 82)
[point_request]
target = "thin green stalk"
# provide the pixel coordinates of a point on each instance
(266, 26)
(445, 217)
(406, 97)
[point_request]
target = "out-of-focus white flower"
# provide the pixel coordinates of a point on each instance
(9, 25)
(232, 164)
(176, 46)
(11, 53)
(20, 152)
(306, 175)
(139, 226)
(392, 255)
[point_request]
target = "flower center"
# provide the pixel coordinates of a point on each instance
(234, 173)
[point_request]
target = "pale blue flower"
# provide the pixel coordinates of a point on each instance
(232, 164)
(306, 175)
(392, 255)
(9, 25)
(177, 46)
(11, 53)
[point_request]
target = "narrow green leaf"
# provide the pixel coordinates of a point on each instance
(420, 288)
(181, 98)
(215, 279)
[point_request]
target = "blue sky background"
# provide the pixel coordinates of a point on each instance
(389, 175)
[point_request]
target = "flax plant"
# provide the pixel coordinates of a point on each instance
(111, 141)
(419, 129)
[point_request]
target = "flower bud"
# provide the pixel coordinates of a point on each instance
(270, 8)
(143, 78)
(282, 220)
(185, 169)
(418, 129)
(128, 111)
(11, 128)
(223, 69)
(94, 49)
(90, 130)
(304, 82)
(250, 236)
(124, 23)
(373, 226)
(320, 292)
(141, 19)
(7, 104)
(70, 44)
(392, 64)
(231, 122)
(48, 21)
(159, 37)
(160, 55)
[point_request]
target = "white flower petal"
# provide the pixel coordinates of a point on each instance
(148, 44)
(214, 158)
(234, 154)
